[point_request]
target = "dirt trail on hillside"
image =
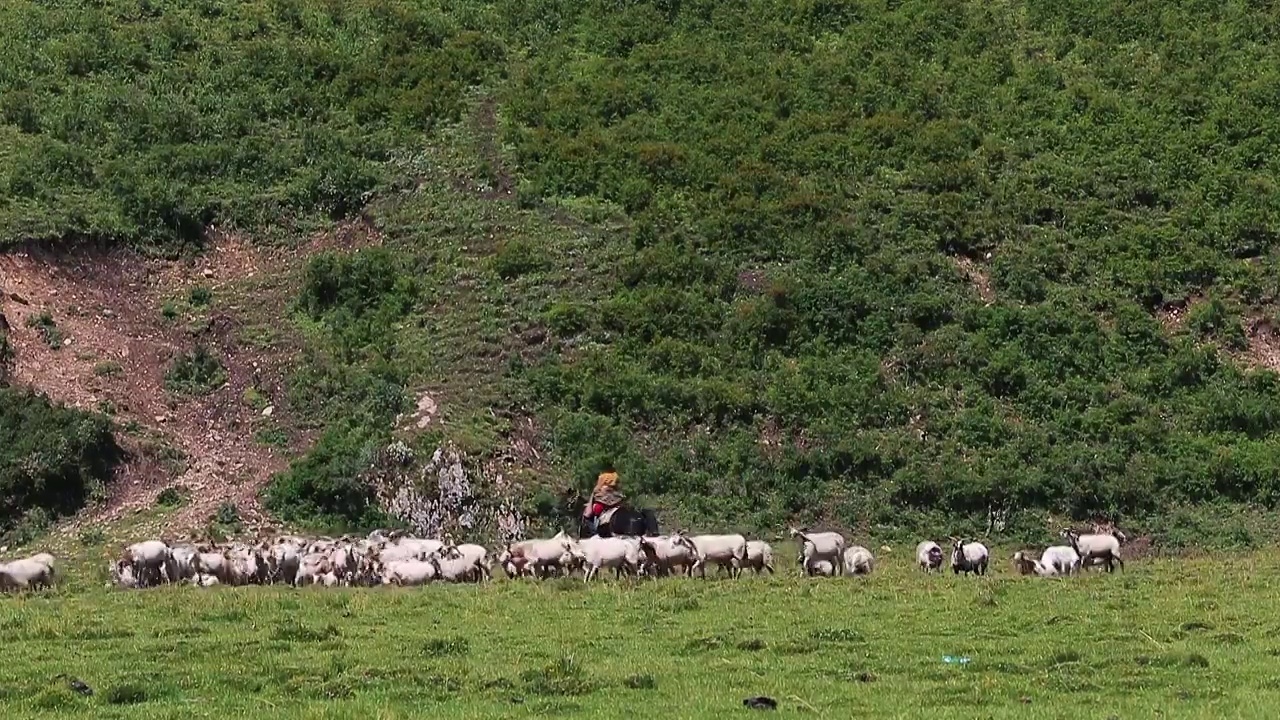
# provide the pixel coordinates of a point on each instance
(119, 345)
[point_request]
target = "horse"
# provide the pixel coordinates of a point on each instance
(625, 521)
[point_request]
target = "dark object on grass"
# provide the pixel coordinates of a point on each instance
(75, 684)
(761, 703)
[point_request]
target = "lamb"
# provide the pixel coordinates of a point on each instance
(968, 557)
(1096, 548)
(760, 556)
(858, 560)
(1025, 565)
(724, 550)
(929, 556)
(828, 546)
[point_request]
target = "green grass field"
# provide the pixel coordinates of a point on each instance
(1167, 638)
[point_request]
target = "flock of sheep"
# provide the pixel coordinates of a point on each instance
(401, 559)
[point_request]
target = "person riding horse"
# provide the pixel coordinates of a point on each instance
(605, 496)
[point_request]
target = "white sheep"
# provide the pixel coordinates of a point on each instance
(1061, 560)
(929, 556)
(620, 554)
(724, 550)
(968, 557)
(828, 546)
(25, 574)
(663, 554)
(409, 572)
(1096, 548)
(151, 560)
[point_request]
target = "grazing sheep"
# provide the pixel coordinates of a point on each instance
(968, 557)
(828, 546)
(858, 560)
(760, 556)
(25, 574)
(929, 556)
(1096, 549)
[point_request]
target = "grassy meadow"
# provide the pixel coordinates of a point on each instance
(1171, 638)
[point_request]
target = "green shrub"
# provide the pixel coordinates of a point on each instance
(47, 328)
(52, 460)
(200, 296)
(195, 372)
(325, 486)
(519, 257)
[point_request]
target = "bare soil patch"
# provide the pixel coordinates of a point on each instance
(109, 304)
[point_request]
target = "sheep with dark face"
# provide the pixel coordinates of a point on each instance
(929, 556)
(968, 557)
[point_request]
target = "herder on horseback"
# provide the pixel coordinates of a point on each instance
(606, 497)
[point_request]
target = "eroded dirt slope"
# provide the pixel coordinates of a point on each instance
(123, 318)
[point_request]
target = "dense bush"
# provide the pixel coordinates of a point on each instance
(52, 459)
(791, 336)
(145, 122)
(325, 486)
(890, 265)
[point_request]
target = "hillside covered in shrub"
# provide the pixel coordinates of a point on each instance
(889, 264)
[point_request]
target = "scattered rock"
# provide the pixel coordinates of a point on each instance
(208, 273)
(266, 411)
(66, 342)
(161, 418)
(108, 313)
(18, 299)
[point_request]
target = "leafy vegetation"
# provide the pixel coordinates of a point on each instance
(1205, 651)
(259, 114)
(47, 328)
(52, 461)
(195, 372)
(881, 265)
